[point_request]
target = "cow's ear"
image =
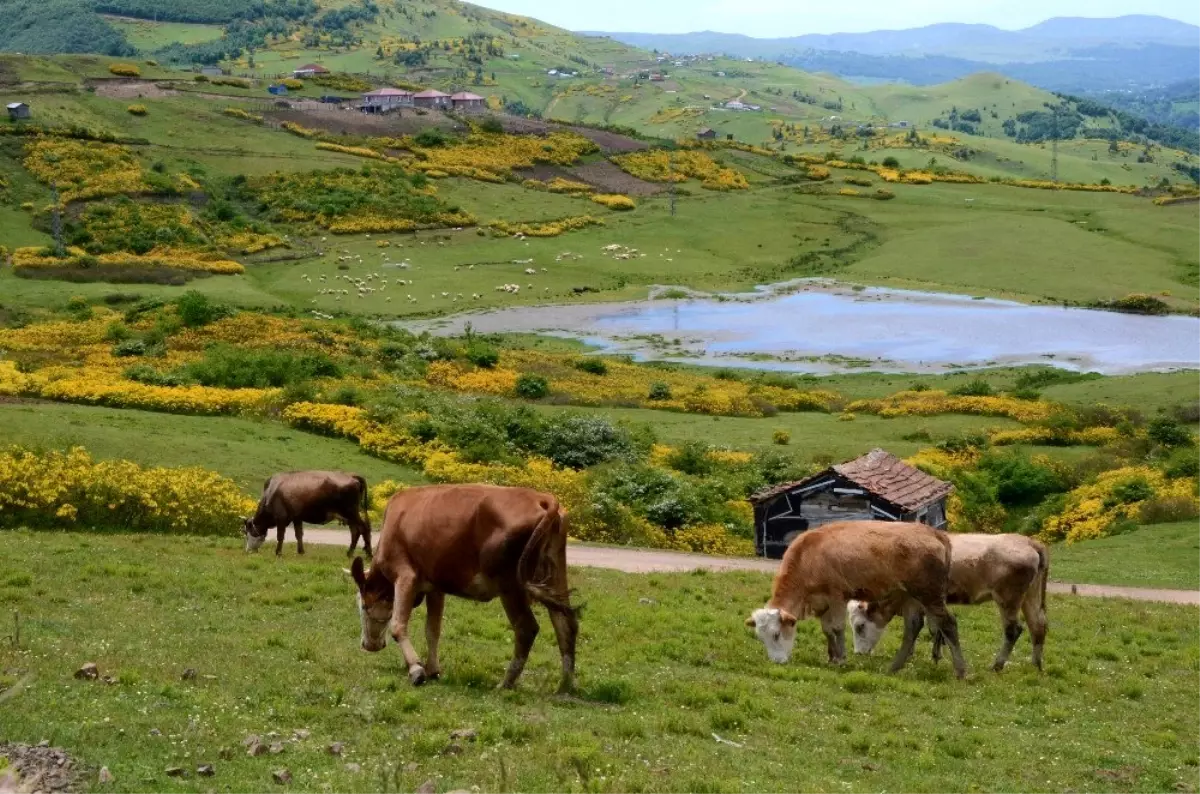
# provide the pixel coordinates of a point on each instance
(356, 571)
(787, 618)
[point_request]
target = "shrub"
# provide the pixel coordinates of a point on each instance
(482, 355)
(144, 373)
(117, 331)
(578, 441)
(532, 387)
(129, 348)
(781, 437)
(1137, 303)
(195, 309)
(1183, 463)
(1166, 432)
(883, 194)
(595, 366)
(975, 388)
(891, 162)
(292, 84)
(691, 458)
(136, 110)
(614, 201)
(492, 125)
(659, 391)
(125, 70)
(431, 137)
(239, 368)
(1020, 481)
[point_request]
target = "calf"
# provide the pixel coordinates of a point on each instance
(476, 542)
(1008, 569)
(903, 565)
(314, 497)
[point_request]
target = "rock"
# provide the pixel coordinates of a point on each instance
(466, 734)
(155, 732)
(175, 771)
(273, 735)
(426, 788)
(453, 749)
(256, 749)
(189, 674)
(105, 776)
(647, 601)
(355, 768)
(253, 738)
(276, 748)
(336, 748)
(88, 672)
(44, 743)
(206, 770)
(282, 776)
(302, 734)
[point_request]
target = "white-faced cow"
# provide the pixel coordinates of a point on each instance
(901, 564)
(1008, 569)
(313, 497)
(471, 541)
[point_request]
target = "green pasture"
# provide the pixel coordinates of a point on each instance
(664, 663)
(1162, 555)
(245, 450)
(149, 36)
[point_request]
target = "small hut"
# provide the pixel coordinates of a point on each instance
(707, 134)
(877, 486)
(431, 98)
(466, 101)
(18, 110)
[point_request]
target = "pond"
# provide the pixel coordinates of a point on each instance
(824, 327)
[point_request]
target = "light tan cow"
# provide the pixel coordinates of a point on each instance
(901, 564)
(1009, 569)
(476, 542)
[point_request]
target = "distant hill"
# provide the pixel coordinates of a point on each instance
(1061, 54)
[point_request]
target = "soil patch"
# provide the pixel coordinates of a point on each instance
(610, 179)
(135, 89)
(608, 142)
(347, 121)
(41, 769)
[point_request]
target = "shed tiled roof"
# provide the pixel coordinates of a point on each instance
(389, 92)
(881, 473)
(429, 93)
(465, 96)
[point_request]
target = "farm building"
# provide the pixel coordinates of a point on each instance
(465, 100)
(707, 134)
(18, 110)
(309, 70)
(876, 486)
(386, 100)
(431, 98)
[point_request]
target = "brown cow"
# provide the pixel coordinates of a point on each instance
(471, 541)
(902, 564)
(1008, 569)
(313, 497)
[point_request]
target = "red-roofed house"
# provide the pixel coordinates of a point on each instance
(431, 98)
(465, 100)
(308, 70)
(386, 100)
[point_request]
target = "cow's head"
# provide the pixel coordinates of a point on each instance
(254, 539)
(374, 610)
(868, 621)
(777, 630)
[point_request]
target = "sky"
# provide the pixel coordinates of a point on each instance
(778, 18)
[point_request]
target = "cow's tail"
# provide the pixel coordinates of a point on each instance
(542, 569)
(364, 497)
(1043, 575)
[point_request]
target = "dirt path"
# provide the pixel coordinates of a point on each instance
(650, 561)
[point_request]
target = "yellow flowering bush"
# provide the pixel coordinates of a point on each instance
(300, 130)
(656, 165)
(493, 156)
(446, 375)
(245, 242)
(933, 402)
(136, 110)
(357, 151)
(238, 113)
(1090, 436)
(84, 169)
(614, 201)
(125, 70)
(57, 489)
(547, 228)
(1123, 493)
(174, 259)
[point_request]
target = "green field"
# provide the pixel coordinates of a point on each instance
(1163, 555)
(150, 36)
(664, 663)
(245, 450)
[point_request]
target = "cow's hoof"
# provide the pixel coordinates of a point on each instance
(998, 667)
(416, 675)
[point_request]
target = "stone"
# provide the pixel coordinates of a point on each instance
(253, 738)
(256, 749)
(647, 601)
(155, 732)
(44, 743)
(105, 776)
(411, 766)
(302, 734)
(206, 770)
(276, 748)
(336, 748)
(175, 771)
(426, 788)
(467, 734)
(281, 776)
(89, 672)
(453, 749)
(189, 674)
(355, 768)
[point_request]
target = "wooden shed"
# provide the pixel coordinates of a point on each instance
(18, 110)
(876, 486)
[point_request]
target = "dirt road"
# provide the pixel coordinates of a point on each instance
(650, 561)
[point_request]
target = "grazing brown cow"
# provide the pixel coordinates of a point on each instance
(309, 496)
(1008, 569)
(471, 541)
(904, 565)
